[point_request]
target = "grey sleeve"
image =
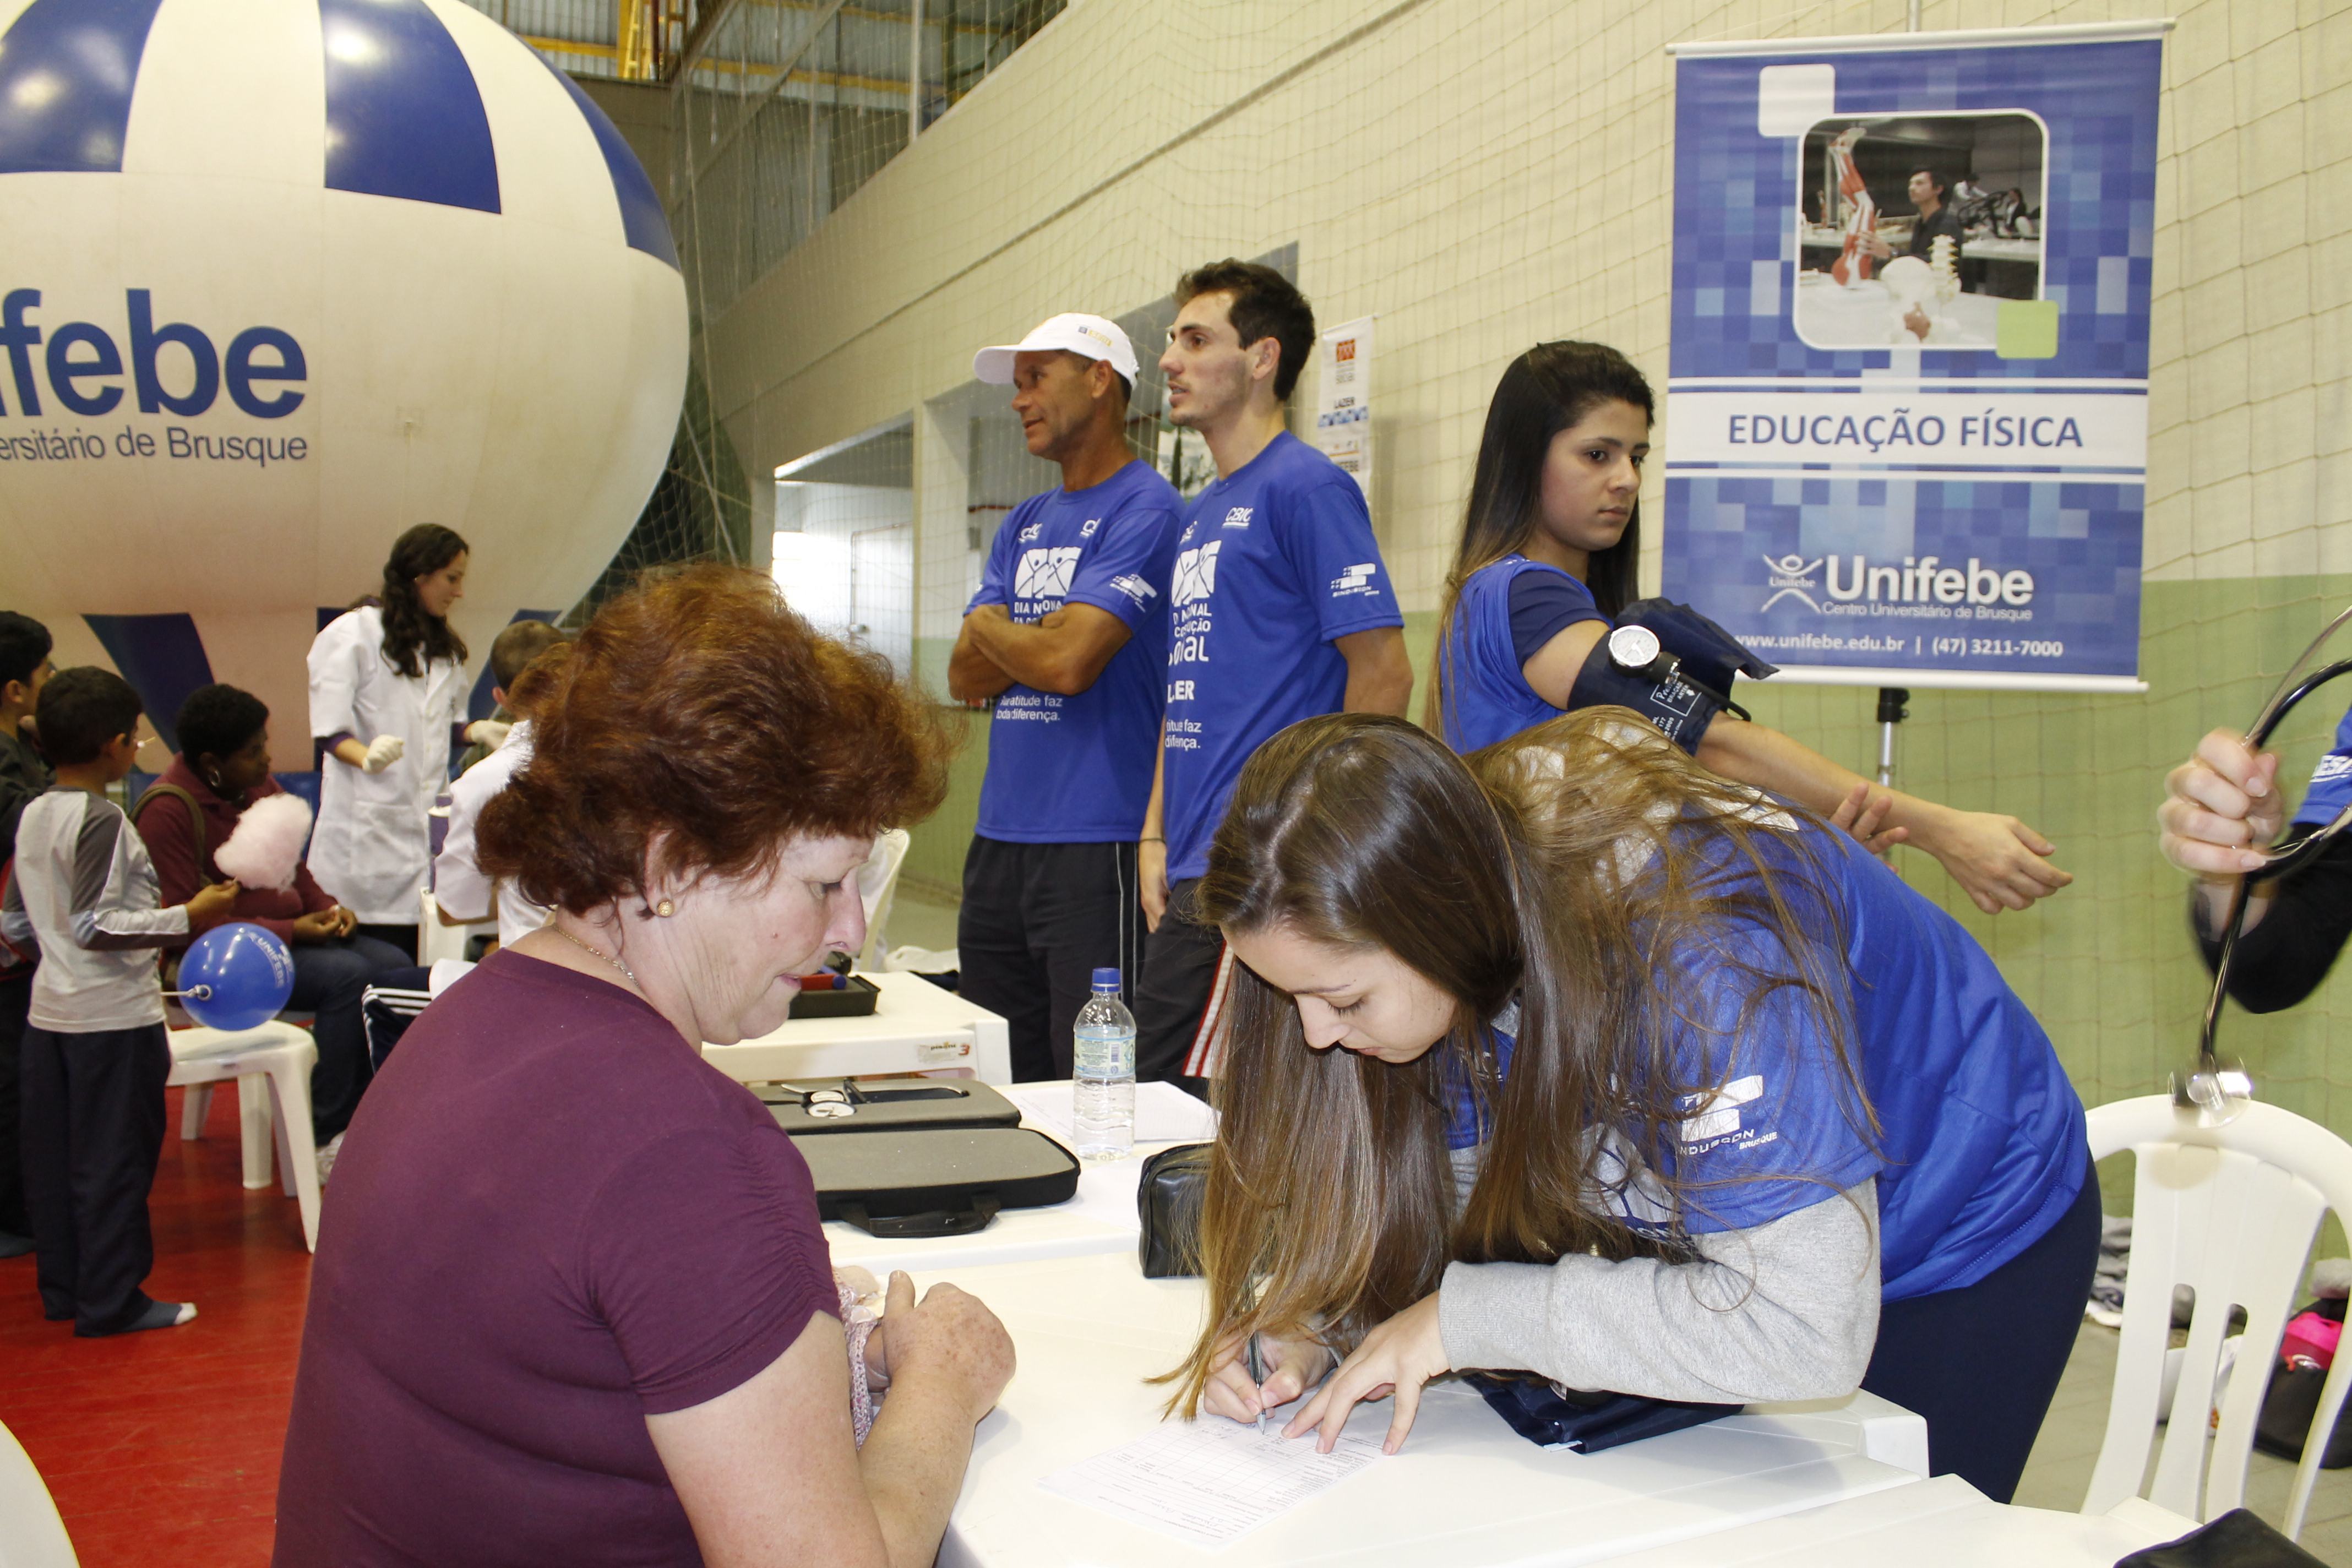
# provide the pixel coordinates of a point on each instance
(1786, 1311)
(100, 925)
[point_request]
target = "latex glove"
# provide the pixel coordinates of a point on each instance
(382, 752)
(490, 732)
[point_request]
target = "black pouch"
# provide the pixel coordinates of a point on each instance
(845, 1105)
(855, 1000)
(1167, 1202)
(2288, 1406)
(1588, 1423)
(2293, 1399)
(2236, 1539)
(938, 1181)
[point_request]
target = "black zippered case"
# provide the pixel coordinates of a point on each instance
(935, 1181)
(814, 1105)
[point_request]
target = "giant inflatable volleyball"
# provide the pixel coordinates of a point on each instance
(284, 277)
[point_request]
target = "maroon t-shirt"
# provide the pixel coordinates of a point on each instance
(549, 1220)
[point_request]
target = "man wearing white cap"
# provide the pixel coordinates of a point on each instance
(1069, 635)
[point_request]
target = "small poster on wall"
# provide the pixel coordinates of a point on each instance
(1906, 410)
(1343, 407)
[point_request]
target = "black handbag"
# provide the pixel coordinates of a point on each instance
(2236, 1539)
(936, 1181)
(1167, 1202)
(1588, 1423)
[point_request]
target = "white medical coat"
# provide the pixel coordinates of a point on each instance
(371, 848)
(458, 885)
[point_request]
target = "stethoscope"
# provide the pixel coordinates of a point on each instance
(2218, 1090)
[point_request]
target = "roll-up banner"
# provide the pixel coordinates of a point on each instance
(1343, 399)
(1907, 409)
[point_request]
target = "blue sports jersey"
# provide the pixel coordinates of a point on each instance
(1276, 563)
(1980, 1146)
(2331, 780)
(1487, 698)
(1077, 770)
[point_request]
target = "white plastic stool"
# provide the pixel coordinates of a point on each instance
(31, 1533)
(271, 1065)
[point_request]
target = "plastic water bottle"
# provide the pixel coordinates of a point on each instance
(1105, 1053)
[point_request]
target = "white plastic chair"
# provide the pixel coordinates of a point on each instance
(2230, 1212)
(436, 941)
(31, 1533)
(271, 1065)
(878, 884)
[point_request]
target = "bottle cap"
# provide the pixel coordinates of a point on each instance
(1105, 979)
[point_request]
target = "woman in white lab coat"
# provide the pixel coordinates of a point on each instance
(387, 695)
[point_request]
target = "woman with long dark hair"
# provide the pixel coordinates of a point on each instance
(1550, 542)
(1644, 1082)
(387, 696)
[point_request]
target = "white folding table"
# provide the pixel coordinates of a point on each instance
(915, 1027)
(1939, 1523)
(1465, 1490)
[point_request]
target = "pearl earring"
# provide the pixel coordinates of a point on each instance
(664, 908)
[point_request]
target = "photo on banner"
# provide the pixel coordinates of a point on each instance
(1907, 414)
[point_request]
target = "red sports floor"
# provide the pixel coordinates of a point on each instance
(163, 1447)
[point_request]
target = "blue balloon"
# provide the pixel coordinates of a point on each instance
(235, 976)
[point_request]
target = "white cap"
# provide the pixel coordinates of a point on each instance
(1091, 337)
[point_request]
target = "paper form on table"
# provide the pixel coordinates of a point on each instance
(1209, 1483)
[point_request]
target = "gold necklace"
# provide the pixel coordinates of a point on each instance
(591, 952)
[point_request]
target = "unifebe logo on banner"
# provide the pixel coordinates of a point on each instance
(83, 372)
(1906, 439)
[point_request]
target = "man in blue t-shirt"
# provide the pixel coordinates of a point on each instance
(1069, 635)
(1280, 609)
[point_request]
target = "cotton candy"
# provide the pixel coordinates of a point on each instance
(267, 843)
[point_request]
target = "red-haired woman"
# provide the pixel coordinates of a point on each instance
(572, 1303)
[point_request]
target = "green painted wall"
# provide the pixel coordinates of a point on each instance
(2106, 964)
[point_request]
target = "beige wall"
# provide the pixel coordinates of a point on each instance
(1484, 177)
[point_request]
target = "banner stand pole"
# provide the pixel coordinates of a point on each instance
(1891, 712)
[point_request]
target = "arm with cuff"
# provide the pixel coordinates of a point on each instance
(1999, 861)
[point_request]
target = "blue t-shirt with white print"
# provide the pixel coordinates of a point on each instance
(1980, 1145)
(1077, 769)
(1276, 563)
(1487, 698)
(2331, 780)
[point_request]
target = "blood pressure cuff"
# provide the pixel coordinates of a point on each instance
(1682, 704)
(1712, 658)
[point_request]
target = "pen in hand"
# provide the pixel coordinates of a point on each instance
(1257, 1375)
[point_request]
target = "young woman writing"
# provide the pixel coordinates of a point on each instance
(1643, 1082)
